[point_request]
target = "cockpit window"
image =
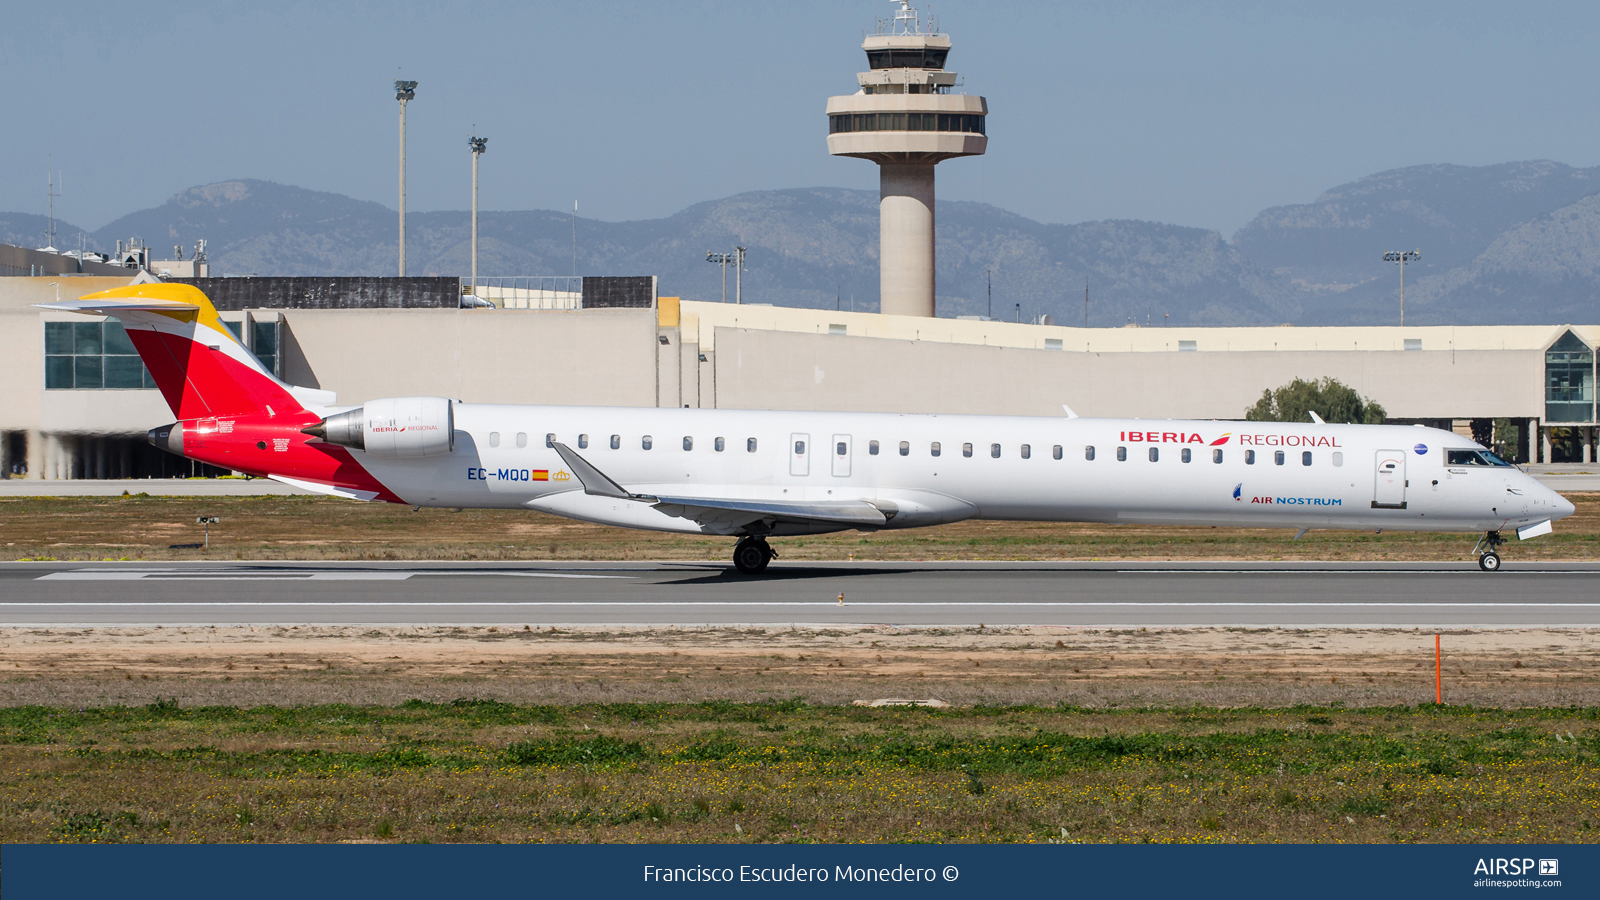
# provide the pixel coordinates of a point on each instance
(1473, 458)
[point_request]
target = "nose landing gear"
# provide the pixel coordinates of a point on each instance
(751, 555)
(1489, 560)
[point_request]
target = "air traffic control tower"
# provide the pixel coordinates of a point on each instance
(905, 119)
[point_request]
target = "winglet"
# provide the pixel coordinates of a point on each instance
(1316, 418)
(594, 481)
(1070, 413)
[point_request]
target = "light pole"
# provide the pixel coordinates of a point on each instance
(403, 91)
(724, 259)
(738, 276)
(479, 147)
(1402, 257)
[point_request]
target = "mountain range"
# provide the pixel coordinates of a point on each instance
(1515, 243)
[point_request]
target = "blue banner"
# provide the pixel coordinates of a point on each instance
(312, 872)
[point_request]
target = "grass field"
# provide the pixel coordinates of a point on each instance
(789, 772)
(311, 528)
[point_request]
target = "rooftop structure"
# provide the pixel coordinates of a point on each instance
(905, 119)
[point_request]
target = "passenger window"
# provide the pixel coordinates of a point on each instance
(616, 442)
(1338, 459)
(839, 449)
(1155, 454)
(646, 442)
(522, 439)
(1026, 451)
(994, 451)
(1277, 458)
(1216, 455)
(872, 448)
(933, 448)
(750, 446)
(1249, 457)
(1184, 455)
(1122, 454)
(719, 444)
(494, 438)
(583, 442)
(966, 450)
(549, 440)
(1305, 458)
(905, 448)
(799, 448)
(688, 443)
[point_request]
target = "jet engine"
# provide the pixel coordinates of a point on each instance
(394, 427)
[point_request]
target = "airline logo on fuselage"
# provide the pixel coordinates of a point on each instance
(1245, 439)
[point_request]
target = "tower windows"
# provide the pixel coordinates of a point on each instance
(962, 123)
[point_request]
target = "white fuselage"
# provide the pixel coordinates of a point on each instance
(1328, 476)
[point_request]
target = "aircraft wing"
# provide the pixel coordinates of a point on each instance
(710, 511)
(725, 511)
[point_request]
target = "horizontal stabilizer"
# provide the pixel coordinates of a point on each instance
(108, 307)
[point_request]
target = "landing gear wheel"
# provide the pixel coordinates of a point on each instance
(1490, 560)
(751, 556)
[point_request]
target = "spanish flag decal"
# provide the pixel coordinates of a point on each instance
(541, 475)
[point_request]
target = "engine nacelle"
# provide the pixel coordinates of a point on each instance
(394, 427)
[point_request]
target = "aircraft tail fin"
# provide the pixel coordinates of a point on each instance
(200, 367)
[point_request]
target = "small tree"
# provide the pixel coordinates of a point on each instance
(1328, 398)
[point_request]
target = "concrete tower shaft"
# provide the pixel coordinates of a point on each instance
(905, 119)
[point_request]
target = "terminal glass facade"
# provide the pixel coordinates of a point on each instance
(957, 122)
(1569, 381)
(92, 356)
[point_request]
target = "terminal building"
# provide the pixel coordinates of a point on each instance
(75, 402)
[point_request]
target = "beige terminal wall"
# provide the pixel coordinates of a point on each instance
(758, 369)
(601, 357)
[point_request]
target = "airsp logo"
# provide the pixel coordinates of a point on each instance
(1502, 866)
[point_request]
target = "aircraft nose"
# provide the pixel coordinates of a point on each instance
(1563, 507)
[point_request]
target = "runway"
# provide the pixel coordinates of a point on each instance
(928, 594)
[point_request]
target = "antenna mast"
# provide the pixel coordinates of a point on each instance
(50, 189)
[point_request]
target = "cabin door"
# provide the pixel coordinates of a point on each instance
(1389, 489)
(841, 455)
(799, 454)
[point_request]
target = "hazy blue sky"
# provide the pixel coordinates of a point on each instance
(1197, 114)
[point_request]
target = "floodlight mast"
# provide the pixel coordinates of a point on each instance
(1402, 257)
(723, 259)
(479, 147)
(403, 91)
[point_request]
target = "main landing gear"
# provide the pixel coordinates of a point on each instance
(751, 555)
(1489, 560)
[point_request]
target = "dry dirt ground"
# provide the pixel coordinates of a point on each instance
(280, 666)
(314, 528)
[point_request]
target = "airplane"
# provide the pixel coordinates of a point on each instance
(753, 475)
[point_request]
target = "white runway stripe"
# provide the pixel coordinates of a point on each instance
(335, 575)
(672, 604)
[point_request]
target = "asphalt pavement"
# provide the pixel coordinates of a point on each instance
(1525, 594)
